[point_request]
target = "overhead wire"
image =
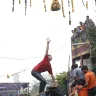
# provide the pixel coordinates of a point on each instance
(35, 57)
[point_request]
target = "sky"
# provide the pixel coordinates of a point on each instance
(23, 38)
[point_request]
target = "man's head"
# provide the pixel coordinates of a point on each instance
(87, 17)
(84, 69)
(72, 31)
(80, 23)
(74, 66)
(49, 57)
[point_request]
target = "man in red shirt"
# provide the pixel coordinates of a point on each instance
(43, 66)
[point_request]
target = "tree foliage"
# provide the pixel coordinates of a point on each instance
(91, 35)
(62, 80)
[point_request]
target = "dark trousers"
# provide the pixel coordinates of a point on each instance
(43, 82)
(92, 91)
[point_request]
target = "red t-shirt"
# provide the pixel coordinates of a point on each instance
(43, 66)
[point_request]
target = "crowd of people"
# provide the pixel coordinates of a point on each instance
(84, 83)
(81, 28)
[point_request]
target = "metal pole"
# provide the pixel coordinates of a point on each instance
(28, 88)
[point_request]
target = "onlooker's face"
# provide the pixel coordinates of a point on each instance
(84, 71)
(80, 23)
(72, 31)
(87, 17)
(49, 57)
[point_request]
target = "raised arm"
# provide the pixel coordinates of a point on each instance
(47, 47)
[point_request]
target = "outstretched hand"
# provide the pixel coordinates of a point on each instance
(48, 40)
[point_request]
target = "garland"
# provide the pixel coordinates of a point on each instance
(72, 5)
(13, 6)
(69, 18)
(19, 1)
(87, 5)
(44, 5)
(25, 6)
(62, 8)
(30, 3)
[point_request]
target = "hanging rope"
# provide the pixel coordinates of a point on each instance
(13, 6)
(19, 1)
(62, 8)
(69, 18)
(25, 6)
(44, 5)
(87, 5)
(30, 3)
(35, 57)
(72, 5)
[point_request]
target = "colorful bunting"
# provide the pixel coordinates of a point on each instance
(62, 8)
(69, 18)
(30, 3)
(55, 6)
(44, 5)
(13, 6)
(83, 3)
(87, 5)
(95, 2)
(72, 5)
(25, 6)
(68, 3)
(19, 1)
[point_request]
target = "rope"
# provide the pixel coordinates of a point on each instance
(35, 57)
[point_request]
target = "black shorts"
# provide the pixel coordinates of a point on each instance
(79, 82)
(74, 84)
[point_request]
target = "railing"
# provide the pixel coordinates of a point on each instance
(79, 37)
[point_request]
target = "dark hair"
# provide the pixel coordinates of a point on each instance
(79, 66)
(74, 66)
(84, 67)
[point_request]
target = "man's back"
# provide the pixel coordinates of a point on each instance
(77, 72)
(91, 79)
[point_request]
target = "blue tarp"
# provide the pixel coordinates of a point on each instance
(12, 86)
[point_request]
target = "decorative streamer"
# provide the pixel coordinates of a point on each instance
(44, 5)
(72, 5)
(19, 1)
(69, 18)
(83, 3)
(68, 3)
(95, 5)
(13, 6)
(25, 6)
(62, 8)
(87, 5)
(95, 2)
(30, 3)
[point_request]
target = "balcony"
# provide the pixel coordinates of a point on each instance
(80, 49)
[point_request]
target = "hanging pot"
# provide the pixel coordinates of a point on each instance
(55, 6)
